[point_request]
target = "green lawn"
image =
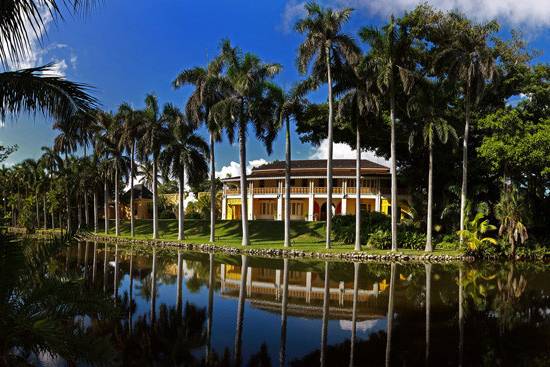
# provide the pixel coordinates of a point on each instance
(306, 236)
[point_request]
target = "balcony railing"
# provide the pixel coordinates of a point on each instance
(265, 190)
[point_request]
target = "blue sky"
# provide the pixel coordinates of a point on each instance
(128, 48)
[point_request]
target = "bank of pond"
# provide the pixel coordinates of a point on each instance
(95, 303)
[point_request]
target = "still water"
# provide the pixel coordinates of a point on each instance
(92, 303)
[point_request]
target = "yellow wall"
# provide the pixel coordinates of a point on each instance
(351, 205)
(233, 210)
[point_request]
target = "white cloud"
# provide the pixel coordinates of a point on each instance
(293, 10)
(234, 168)
(531, 13)
(38, 53)
(344, 151)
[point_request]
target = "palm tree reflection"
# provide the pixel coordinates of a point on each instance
(240, 310)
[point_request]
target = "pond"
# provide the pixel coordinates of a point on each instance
(92, 303)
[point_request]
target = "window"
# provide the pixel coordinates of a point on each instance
(292, 182)
(262, 183)
(296, 209)
(321, 182)
(334, 182)
(267, 208)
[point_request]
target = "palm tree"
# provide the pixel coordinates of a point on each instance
(328, 48)
(510, 212)
(429, 106)
(36, 89)
(154, 136)
(467, 58)
(118, 163)
(52, 162)
(360, 99)
(287, 105)
(207, 92)
(66, 142)
(388, 49)
(185, 154)
(244, 101)
(102, 153)
(130, 134)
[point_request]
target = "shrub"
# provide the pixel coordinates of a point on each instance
(407, 239)
(344, 226)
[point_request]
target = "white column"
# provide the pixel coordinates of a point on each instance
(224, 207)
(378, 200)
(344, 207)
(280, 201)
(310, 202)
(251, 201)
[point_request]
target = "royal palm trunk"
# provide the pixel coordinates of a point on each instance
(181, 193)
(132, 189)
(288, 157)
(106, 206)
(155, 209)
(244, 188)
(358, 191)
(393, 168)
(95, 212)
(117, 221)
(464, 191)
(430, 197)
(212, 190)
(329, 158)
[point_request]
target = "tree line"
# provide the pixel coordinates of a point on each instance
(418, 82)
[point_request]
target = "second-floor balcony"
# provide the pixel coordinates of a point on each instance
(337, 190)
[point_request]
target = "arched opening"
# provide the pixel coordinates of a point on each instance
(323, 214)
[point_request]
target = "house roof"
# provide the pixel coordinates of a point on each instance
(140, 192)
(315, 167)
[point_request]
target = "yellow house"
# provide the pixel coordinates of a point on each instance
(308, 193)
(143, 201)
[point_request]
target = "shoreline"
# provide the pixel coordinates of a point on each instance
(283, 253)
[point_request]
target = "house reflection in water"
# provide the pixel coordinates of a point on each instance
(264, 289)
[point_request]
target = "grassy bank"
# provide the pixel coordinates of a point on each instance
(306, 236)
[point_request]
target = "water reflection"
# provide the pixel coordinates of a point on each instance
(180, 308)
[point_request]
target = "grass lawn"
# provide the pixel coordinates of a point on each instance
(306, 236)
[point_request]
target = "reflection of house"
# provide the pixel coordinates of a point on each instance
(264, 288)
(309, 190)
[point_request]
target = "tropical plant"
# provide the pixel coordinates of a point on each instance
(208, 90)
(511, 213)
(474, 230)
(287, 106)
(426, 105)
(154, 136)
(465, 56)
(326, 48)
(184, 155)
(244, 101)
(389, 49)
(360, 98)
(36, 89)
(130, 134)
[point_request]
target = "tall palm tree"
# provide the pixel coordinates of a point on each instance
(66, 142)
(327, 48)
(287, 106)
(117, 161)
(36, 89)
(184, 154)
(102, 153)
(154, 136)
(52, 161)
(429, 106)
(207, 92)
(389, 49)
(245, 101)
(465, 56)
(130, 134)
(360, 98)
